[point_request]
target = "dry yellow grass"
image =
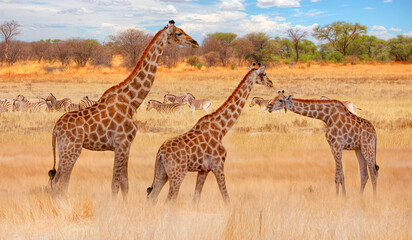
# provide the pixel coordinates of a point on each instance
(280, 172)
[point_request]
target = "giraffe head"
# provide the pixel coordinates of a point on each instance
(261, 77)
(279, 102)
(253, 103)
(178, 36)
(151, 104)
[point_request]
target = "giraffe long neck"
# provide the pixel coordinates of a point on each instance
(134, 89)
(228, 113)
(319, 109)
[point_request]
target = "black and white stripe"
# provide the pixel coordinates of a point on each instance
(165, 108)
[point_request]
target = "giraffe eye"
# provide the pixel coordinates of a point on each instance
(178, 34)
(280, 100)
(264, 74)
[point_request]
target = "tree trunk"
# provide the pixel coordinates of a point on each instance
(5, 53)
(297, 53)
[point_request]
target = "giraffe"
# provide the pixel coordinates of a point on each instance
(344, 131)
(201, 149)
(108, 125)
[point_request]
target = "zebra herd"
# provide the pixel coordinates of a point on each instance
(49, 104)
(178, 102)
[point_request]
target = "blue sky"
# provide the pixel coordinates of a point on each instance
(97, 19)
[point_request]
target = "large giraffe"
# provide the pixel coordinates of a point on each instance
(344, 131)
(201, 149)
(108, 125)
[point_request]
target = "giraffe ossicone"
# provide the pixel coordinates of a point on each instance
(201, 149)
(344, 131)
(108, 125)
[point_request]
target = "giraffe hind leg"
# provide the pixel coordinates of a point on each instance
(175, 180)
(369, 155)
(363, 170)
(159, 181)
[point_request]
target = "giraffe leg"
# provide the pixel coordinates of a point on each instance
(201, 177)
(175, 181)
(339, 177)
(369, 155)
(158, 183)
(220, 178)
(363, 170)
(120, 177)
(68, 156)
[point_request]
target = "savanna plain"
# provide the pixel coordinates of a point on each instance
(279, 168)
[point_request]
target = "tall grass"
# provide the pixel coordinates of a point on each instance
(279, 169)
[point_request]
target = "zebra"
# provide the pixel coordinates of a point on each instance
(262, 103)
(349, 105)
(21, 104)
(194, 104)
(49, 105)
(62, 104)
(86, 102)
(173, 98)
(6, 105)
(73, 107)
(165, 108)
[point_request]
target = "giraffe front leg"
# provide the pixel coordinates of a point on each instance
(120, 173)
(363, 170)
(201, 178)
(220, 178)
(339, 177)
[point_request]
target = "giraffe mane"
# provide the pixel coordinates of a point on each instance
(319, 101)
(223, 106)
(138, 64)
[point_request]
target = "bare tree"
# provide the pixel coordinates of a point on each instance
(296, 34)
(9, 30)
(130, 44)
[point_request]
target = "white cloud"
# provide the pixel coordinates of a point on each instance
(387, 1)
(167, 10)
(395, 29)
(75, 11)
(278, 3)
(379, 28)
(409, 34)
(177, 1)
(315, 0)
(369, 8)
(231, 5)
(310, 13)
(280, 19)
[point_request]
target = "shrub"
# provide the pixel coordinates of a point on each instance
(192, 60)
(335, 57)
(233, 66)
(199, 65)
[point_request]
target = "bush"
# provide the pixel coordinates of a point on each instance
(352, 59)
(199, 65)
(211, 58)
(192, 60)
(233, 66)
(335, 57)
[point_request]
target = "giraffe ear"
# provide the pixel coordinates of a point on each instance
(248, 68)
(290, 97)
(261, 69)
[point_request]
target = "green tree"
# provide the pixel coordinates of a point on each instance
(296, 35)
(264, 47)
(339, 34)
(400, 48)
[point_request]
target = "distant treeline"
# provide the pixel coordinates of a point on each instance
(343, 42)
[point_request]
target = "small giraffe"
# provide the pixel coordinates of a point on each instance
(201, 149)
(108, 125)
(344, 131)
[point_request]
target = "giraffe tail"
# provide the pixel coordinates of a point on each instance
(157, 169)
(376, 165)
(52, 172)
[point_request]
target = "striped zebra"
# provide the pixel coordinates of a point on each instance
(86, 102)
(21, 104)
(165, 108)
(6, 105)
(200, 104)
(349, 105)
(262, 103)
(173, 98)
(62, 104)
(73, 107)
